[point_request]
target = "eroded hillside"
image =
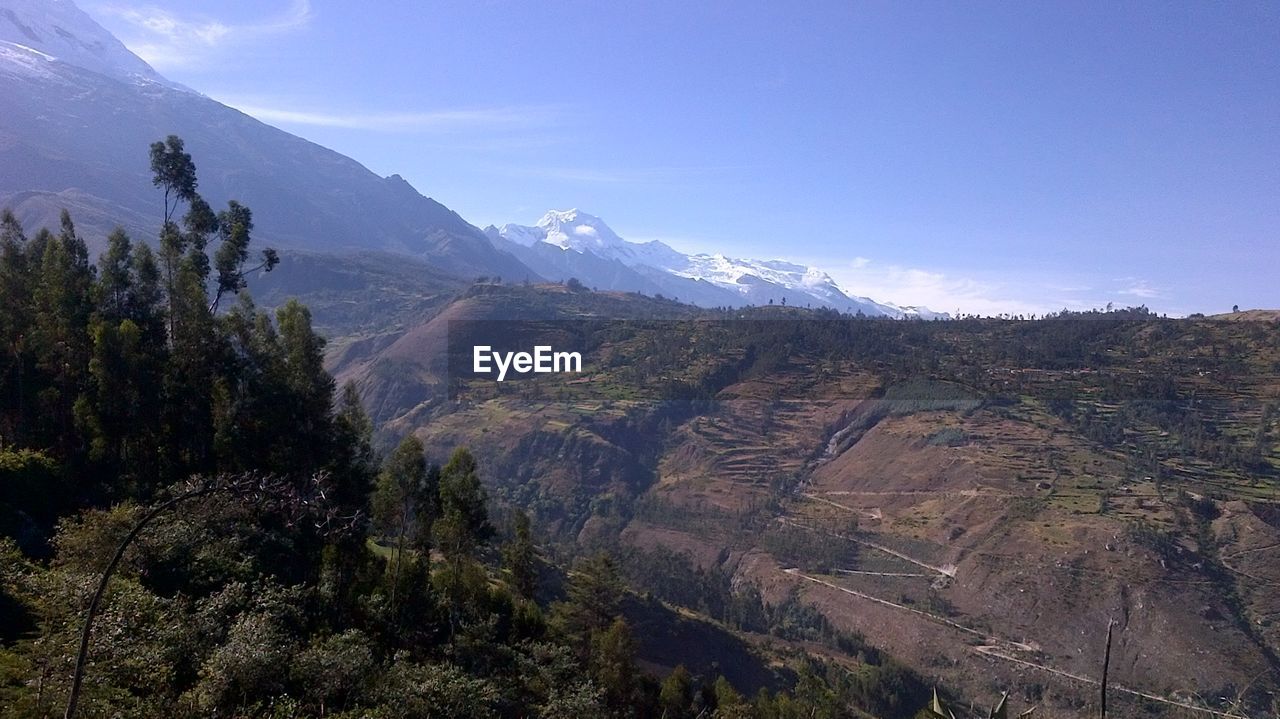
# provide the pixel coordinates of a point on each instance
(979, 499)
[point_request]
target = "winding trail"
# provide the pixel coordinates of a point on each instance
(867, 572)
(992, 646)
(876, 514)
(995, 648)
(948, 570)
(870, 514)
(869, 597)
(1246, 551)
(1111, 686)
(971, 492)
(1260, 580)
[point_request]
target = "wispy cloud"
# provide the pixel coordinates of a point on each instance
(443, 120)
(1140, 288)
(166, 40)
(945, 291)
(939, 290)
(990, 294)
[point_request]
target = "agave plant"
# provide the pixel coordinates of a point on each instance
(938, 710)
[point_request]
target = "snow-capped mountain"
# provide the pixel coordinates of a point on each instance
(78, 112)
(580, 232)
(572, 243)
(58, 30)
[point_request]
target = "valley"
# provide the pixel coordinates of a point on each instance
(980, 514)
(761, 495)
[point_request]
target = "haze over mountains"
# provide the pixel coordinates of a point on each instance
(79, 110)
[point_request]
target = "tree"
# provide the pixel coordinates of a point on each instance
(193, 338)
(30, 488)
(234, 224)
(613, 663)
(676, 694)
(146, 297)
(126, 335)
(333, 669)
(403, 504)
(197, 352)
(16, 290)
(356, 468)
(183, 249)
(60, 335)
(309, 385)
(173, 169)
(594, 601)
(198, 223)
(729, 703)
(251, 489)
(521, 559)
(464, 519)
(463, 525)
(115, 277)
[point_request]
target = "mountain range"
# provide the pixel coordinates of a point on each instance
(572, 243)
(78, 110)
(886, 505)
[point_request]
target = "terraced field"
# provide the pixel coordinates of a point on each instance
(979, 499)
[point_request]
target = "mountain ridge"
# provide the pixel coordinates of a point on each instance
(74, 133)
(79, 110)
(58, 29)
(741, 281)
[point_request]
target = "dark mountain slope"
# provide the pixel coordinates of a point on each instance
(73, 137)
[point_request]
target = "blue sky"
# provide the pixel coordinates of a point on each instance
(989, 157)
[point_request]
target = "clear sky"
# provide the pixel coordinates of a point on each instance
(984, 156)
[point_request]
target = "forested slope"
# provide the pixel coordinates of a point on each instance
(167, 445)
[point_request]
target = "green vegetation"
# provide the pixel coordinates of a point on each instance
(266, 562)
(263, 560)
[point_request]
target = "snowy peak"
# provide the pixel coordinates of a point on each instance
(576, 230)
(741, 281)
(58, 30)
(519, 234)
(764, 280)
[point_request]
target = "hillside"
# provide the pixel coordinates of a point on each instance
(253, 466)
(77, 114)
(979, 498)
(193, 523)
(402, 369)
